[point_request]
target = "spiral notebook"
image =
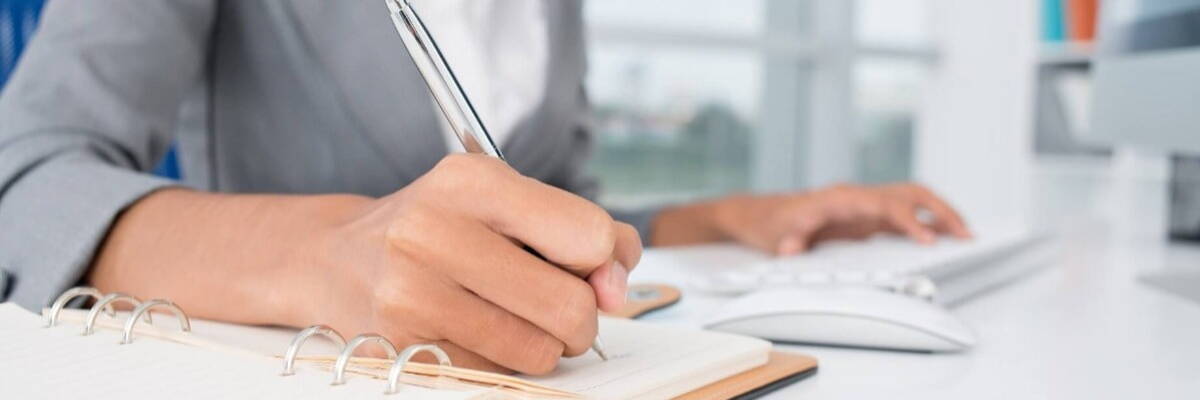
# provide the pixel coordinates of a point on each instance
(128, 358)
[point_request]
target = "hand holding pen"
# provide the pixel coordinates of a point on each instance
(431, 263)
(608, 281)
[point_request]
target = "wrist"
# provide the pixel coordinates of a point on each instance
(727, 214)
(306, 281)
(696, 223)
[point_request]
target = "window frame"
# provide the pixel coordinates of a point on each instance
(809, 49)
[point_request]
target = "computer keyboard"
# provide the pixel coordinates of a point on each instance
(889, 262)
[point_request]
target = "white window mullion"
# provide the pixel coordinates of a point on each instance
(778, 161)
(807, 137)
(829, 150)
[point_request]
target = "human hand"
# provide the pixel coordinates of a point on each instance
(792, 223)
(444, 261)
(789, 224)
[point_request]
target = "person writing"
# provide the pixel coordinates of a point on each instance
(318, 186)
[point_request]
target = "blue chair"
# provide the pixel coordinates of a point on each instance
(18, 18)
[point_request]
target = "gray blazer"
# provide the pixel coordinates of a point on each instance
(279, 96)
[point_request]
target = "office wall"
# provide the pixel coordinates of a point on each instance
(974, 134)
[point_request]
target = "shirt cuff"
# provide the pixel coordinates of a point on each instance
(56, 216)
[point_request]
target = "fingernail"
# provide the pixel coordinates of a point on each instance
(789, 245)
(618, 279)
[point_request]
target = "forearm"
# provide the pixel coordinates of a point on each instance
(688, 224)
(239, 258)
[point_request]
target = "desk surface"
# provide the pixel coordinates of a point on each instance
(1082, 327)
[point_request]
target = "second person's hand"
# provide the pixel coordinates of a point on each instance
(787, 224)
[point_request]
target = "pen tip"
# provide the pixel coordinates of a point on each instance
(599, 349)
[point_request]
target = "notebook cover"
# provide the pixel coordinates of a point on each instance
(781, 369)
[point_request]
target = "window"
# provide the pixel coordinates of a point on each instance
(888, 79)
(697, 98)
(675, 89)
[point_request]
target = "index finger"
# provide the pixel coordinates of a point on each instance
(568, 230)
(945, 218)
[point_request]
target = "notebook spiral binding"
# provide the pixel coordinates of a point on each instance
(343, 360)
(105, 303)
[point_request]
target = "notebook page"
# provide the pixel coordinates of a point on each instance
(646, 360)
(655, 361)
(59, 363)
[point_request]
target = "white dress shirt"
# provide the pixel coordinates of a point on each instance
(498, 50)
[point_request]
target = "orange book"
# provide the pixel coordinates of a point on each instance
(1081, 20)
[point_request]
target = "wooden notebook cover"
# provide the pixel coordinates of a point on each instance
(781, 369)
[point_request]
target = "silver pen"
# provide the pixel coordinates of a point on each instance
(447, 91)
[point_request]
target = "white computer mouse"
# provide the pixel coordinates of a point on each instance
(844, 316)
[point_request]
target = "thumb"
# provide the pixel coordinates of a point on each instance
(610, 283)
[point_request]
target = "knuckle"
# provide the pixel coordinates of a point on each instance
(457, 162)
(399, 233)
(632, 237)
(577, 317)
(408, 228)
(542, 354)
(460, 169)
(448, 167)
(872, 208)
(602, 232)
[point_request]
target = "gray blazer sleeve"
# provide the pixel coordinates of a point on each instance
(91, 104)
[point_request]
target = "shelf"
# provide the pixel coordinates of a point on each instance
(913, 52)
(1065, 53)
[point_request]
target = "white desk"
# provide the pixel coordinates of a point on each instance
(1082, 328)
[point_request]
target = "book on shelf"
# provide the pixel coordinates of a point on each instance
(1069, 20)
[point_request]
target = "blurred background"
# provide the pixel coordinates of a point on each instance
(699, 98)
(983, 100)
